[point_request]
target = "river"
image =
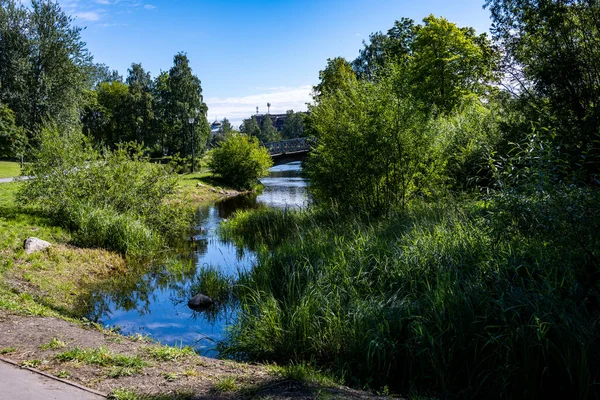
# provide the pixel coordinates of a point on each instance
(154, 302)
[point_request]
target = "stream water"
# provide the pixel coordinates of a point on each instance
(154, 302)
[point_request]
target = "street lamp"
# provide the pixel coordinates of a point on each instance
(191, 121)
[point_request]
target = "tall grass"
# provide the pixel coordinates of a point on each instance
(440, 298)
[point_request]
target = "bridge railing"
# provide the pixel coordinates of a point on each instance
(288, 146)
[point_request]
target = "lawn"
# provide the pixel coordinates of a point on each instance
(9, 169)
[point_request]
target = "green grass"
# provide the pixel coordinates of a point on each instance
(53, 344)
(471, 300)
(101, 356)
(123, 394)
(304, 372)
(8, 350)
(9, 169)
(168, 353)
(226, 384)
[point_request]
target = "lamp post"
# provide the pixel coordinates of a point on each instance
(191, 121)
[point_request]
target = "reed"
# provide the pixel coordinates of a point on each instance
(439, 298)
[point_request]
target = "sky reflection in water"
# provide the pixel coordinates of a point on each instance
(155, 302)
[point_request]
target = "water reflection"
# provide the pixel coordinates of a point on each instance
(154, 301)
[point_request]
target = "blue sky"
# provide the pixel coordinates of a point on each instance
(248, 53)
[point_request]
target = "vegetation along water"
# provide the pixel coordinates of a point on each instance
(154, 301)
(450, 247)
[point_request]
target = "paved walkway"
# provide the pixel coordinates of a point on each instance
(21, 384)
(6, 180)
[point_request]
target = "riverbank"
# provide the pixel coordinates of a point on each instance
(42, 295)
(138, 368)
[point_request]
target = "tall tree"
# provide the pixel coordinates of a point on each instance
(106, 118)
(337, 75)
(449, 62)
(293, 127)
(141, 113)
(58, 66)
(184, 100)
(395, 46)
(250, 127)
(13, 140)
(268, 133)
(226, 127)
(14, 58)
(552, 54)
(100, 73)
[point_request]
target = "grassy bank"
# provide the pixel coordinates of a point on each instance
(9, 169)
(48, 290)
(468, 300)
(48, 276)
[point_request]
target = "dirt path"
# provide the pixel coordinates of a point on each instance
(110, 363)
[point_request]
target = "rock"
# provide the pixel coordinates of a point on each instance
(200, 301)
(221, 192)
(213, 190)
(199, 184)
(33, 244)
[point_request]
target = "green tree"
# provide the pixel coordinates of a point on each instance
(14, 58)
(162, 113)
(449, 62)
(337, 75)
(101, 73)
(395, 46)
(240, 161)
(141, 114)
(106, 118)
(226, 126)
(268, 133)
(552, 53)
(184, 100)
(57, 77)
(373, 152)
(250, 127)
(13, 140)
(293, 127)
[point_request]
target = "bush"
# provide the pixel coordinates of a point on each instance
(110, 199)
(240, 161)
(373, 152)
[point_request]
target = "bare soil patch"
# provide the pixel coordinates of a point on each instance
(37, 341)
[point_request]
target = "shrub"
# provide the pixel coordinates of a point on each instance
(240, 161)
(110, 199)
(373, 153)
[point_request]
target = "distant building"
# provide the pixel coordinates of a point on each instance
(215, 127)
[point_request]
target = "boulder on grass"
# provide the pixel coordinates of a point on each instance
(33, 244)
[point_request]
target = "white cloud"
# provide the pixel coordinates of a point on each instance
(236, 109)
(149, 7)
(88, 15)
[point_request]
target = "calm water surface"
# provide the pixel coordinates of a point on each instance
(155, 302)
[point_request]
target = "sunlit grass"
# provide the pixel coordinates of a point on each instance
(9, 169)
(168, 353)
(101, 356)
(451, 298)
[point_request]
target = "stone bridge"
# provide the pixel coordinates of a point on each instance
(289, 146)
